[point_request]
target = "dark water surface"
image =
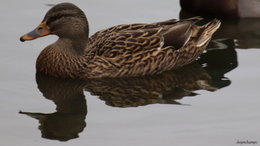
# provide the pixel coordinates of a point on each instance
(213, 101)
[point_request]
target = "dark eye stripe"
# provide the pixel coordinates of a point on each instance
(59, 16)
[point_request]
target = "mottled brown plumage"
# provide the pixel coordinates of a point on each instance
(120, 51)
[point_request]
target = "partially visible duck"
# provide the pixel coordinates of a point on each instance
(223, 8)
(119, 51)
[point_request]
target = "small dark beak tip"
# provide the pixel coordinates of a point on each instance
(21, 39)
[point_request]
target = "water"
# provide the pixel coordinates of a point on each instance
(214, 101)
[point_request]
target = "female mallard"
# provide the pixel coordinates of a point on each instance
(120, 51)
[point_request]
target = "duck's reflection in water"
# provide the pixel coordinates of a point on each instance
(220, 59)
(168, 88)
(164, 88)
(69, 120)
(246, 32)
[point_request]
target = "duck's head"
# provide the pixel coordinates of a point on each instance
(64, 20)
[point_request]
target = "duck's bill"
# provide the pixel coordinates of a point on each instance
(40, 31)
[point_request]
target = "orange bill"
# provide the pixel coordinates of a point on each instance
(40, 31)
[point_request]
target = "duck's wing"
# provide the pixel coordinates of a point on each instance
(126, 27)
(140, 37)
(135, 26)
(131, 42)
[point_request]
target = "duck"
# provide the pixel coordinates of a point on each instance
(126, 50)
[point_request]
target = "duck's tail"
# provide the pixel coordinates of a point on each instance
(206, 31)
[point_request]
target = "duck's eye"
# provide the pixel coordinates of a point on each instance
(40, 28)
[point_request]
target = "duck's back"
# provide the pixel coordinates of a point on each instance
(144, 49)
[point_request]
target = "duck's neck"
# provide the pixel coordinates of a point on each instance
(75, 46)
(66, 58)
